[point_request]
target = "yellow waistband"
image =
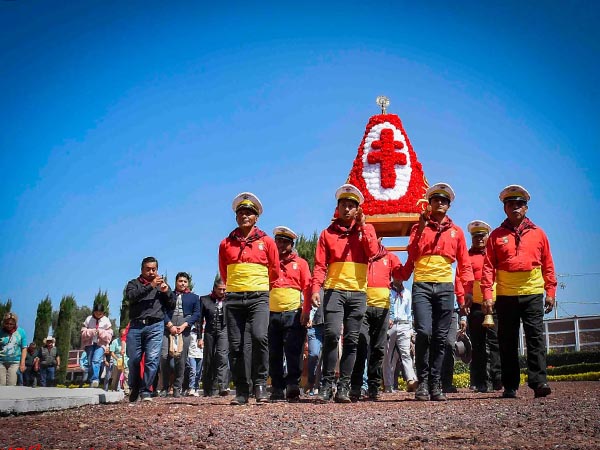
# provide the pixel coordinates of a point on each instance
(378, 297)
(526, 282)
(284, 299)
(478, 296)
(346, 276)
(244, 277)
(433, 269)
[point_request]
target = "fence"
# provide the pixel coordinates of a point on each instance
(569, 334)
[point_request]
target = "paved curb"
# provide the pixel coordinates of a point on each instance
(20, 400)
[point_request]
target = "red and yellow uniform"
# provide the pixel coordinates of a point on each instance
(432, 253)
(519, 262)
(342, 257)
(381, 270)
(476, 257)
(294, 279)
(248, 264)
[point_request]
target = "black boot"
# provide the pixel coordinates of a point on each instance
(342, 395)
(277, 395)
(325, 394)
(292, 393)
(422, 393)
(260, 393)
(436, 394)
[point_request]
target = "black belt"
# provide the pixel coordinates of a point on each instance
(146, 321)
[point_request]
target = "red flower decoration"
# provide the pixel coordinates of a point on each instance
(388, 154)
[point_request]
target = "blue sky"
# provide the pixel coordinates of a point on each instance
(128, 127)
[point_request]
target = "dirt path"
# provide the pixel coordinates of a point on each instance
(569, 419)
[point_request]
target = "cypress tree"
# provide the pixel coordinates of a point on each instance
(63, 334)
(5, 307)
(306, 248)
(43, 320)
(102, 298)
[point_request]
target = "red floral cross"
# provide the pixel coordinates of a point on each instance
(387, 157)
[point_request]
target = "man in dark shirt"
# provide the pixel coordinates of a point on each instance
(216, 345)
(148, 295)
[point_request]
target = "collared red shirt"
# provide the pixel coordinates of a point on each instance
(248, 266)
(342, 257)
(528, 269)
(433, 252)
(294, 279)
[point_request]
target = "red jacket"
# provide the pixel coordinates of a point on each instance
(382, 270)
(502, 254)
(294, 273)
(446, 240)
(259, 249)
(476, 258)
(339, 245)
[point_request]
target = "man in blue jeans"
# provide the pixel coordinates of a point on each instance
(148, 296)
(435, 243)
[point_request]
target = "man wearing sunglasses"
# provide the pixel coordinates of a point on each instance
(518, 258)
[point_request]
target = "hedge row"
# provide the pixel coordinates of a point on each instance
(574, 369)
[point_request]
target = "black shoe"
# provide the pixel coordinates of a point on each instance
(449, 389)
(163, 394)
(374, 394)
(542, 390)
(134, 394)
(325, 394)
(277, 395)
(341, 395)
(354, 395)
(437, 395)
(422, 393)
(224, 392)
(260, 394)
(509, 393)
(497, 385)
(292, 393)
(240, 399)
(176, 393)
(482, 389)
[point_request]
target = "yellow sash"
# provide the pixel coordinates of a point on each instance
(245, 277)
(526, 282)
(433, 269)
(346, 276)
(284, 299)
(378, 297)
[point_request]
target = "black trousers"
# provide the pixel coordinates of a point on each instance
(247, 317)
(448, 363)
(371, 346)
(433, 307)
(485, 349)
(286, 338)
(511, 310)
(215, 368)
(345, 308)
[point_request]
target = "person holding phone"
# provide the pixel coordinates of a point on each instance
(148, 296)
(341, 265)
(519, 260)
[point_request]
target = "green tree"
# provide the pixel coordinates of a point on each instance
(63, 334)
(80, 313)
(43, 320)
(101, 298)
(5, 307)
(124, 317)
(306, 247)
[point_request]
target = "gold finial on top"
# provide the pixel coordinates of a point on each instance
(383, 103)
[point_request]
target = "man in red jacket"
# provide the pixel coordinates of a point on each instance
(249, 264)
(286, 332)
(518, 258)
(341, 262)
(435, 244)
